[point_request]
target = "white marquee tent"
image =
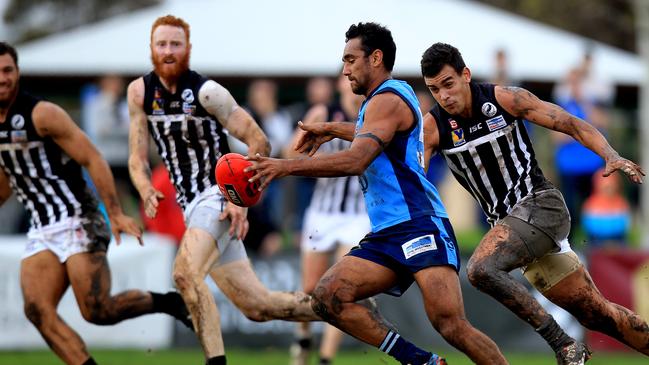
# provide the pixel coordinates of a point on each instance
(301, 38)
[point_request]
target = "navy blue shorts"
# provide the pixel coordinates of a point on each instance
(411, 246)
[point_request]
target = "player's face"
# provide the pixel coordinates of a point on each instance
(8, 80)
(451, 90)
(169, 51)
(356, 66)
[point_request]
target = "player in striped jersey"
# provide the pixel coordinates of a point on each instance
(334, 222)
(42, 152)
(411, 239)
(479, 130)
(187, 114)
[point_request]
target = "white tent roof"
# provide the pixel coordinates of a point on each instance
(301, 38)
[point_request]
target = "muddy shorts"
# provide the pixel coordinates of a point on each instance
(543, 222)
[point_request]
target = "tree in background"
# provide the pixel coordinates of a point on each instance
(608, 21)
(31, 19)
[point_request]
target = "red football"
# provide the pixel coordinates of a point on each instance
(233, 181)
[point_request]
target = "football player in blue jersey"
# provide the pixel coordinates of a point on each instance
(411, 239)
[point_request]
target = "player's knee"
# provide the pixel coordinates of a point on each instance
(451, 328)
(99, 314)
(185, 281)
(478, 272)
(256, 314)
(34, 313)
(324, 303)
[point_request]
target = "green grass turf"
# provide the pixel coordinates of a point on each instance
(280, 357)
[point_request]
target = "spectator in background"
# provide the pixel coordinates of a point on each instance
(501, 68)
(335, 221)
(575, 163)
(606, 215)
(268, 218)
(319, 91)
(105, 120)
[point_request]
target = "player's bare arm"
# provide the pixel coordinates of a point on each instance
(522, 103)
(431, 138)
(138, 141)
(218, 101)
(51, 120)
(385, 115)
(317, 133)
(5, 188)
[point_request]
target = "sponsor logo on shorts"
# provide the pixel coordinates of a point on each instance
(419, 245)
(232, 194)
(4, 134)
(496, 123)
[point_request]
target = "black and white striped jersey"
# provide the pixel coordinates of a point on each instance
(47, 182)
(338, 195)
(188, 138)
(490, 154)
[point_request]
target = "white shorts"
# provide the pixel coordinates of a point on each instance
(203, 212)
(69, 236)
(322, 232)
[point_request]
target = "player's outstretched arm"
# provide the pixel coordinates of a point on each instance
(522, 103)
(218, 101)
(5, 188)
(385, 115)
(138, 142)
(51, 120)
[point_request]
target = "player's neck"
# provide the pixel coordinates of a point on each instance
(377, 81)
(169, 84)
(4, 108)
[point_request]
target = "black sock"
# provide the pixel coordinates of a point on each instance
(402, 350)
(90, 361)
(325, 361)
(554, 335)
(166, 303)
(217, 360)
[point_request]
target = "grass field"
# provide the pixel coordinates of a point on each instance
(280, 357)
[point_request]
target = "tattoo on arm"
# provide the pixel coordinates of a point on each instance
(522, 99)
(374, 137)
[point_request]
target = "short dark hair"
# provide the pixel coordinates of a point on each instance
(437, 56)
(374, 36)
(6, 48)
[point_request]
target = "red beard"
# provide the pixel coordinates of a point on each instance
(170, 72)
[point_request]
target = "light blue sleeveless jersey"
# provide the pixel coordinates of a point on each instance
(394, 184)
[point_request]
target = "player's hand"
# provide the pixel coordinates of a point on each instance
(311, 137)
(630, 168)
(238, 220)
(151, 201)
(266, 169)
(122, 223)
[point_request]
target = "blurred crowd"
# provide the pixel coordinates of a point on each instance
(600, 207)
